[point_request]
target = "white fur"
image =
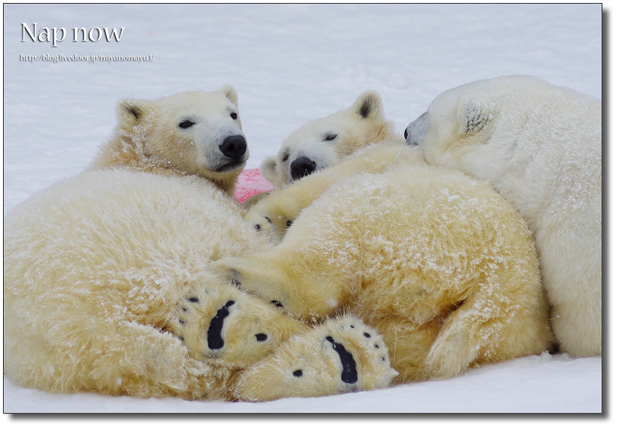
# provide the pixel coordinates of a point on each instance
(94, 266)
(108, 282)
(328, 140)
(539, 145)
(184, 133)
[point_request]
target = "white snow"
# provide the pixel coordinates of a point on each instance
(290, 64)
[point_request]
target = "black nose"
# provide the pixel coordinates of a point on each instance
(406, 133)
(302, 167)
(234, 147)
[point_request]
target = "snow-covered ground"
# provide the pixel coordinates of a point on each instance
(290, 64)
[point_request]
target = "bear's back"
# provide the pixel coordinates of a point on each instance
(103, 227)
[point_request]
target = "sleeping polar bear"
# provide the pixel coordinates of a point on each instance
(438, 263)
(539, 146)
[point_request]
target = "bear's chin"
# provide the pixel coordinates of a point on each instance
(230, 167)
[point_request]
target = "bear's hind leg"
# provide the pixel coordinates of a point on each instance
(221, 324)
(489, 328)
(338, 356)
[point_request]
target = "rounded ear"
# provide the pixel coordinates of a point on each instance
(268, 170)
(368, 105)
(230, 93)
(473, 115)
(130, 111)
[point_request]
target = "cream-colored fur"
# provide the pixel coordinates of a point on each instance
(108, 283)
(540, 147)
(151, 137)
(309, 365)
(93, 268)
(437, 262)
(94, 265)
(326, 141)
(272, 217)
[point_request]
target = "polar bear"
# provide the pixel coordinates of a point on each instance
(436, 261)
(108, 285)
(326, 141)
(539, 146)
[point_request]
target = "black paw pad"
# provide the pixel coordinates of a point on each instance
(349, 367)
(214, 333)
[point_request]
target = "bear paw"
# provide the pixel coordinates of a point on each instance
(342, 355)
(222, 324)
(271, 226)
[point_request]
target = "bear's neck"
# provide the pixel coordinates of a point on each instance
(128, 150)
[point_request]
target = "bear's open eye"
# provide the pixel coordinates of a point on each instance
(186, 124)
(233, 115)
(285, 157)
(330, 137)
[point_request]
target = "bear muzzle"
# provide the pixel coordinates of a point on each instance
(416, 131)
(302, 167)
(234, 149)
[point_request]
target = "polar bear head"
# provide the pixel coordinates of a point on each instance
(196, 133)
(481, 126)
(324, 142)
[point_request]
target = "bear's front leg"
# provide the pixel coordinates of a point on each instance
(221, 324)
(342, 355)
(274, 214)
(282, 277)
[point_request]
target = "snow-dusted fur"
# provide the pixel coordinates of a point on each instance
(326, 141)
(315, 363)
(197, 133)
(437, 262)
(108, 283)
(539, 146)
(272, 217)
(95, 264)
(93, 269)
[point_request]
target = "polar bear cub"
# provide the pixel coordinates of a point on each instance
(539, 146)
(94, 265)
(437, 262)
(326, 141)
